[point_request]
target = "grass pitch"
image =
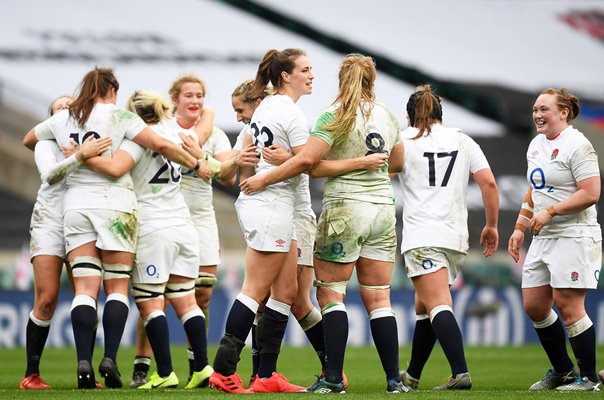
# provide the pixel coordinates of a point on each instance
(497, 373)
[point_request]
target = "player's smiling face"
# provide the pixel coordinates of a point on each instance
(301, 77)
(548, 117)
(189, 103)
(243, 110)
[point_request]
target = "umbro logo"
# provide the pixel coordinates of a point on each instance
(323, 390)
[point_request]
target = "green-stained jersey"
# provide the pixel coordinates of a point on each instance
(378, 134)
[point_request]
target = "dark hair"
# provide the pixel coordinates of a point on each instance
(567, 100)
(96, 84)
(272, 65)
(424, 108)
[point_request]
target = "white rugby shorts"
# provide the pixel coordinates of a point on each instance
(426, 260)
(564, 262)
(112, 230)
(167, 251)
(267, 219)
(46, 233)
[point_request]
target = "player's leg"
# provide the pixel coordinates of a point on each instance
(47, 275)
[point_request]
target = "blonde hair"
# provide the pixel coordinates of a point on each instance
(51, 107)
(176, 86)
(424, 108)
(244, 91)
(565, 99)
(356, 83)
(150, 106)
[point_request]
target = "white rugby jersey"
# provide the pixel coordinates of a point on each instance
(239, 141)
(196, 187)
(554, 168)
(47, 154)
(157, 185)
(278, 120)
(87, 189)
(378, 134)
(435, 181)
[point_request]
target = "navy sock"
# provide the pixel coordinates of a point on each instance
(255, 352)
(335, 328)
(159, 338)
(115, 315)
(553, 340)
(584, 347)
(35, 339)
(240, 320)
(269, 335)
(83, 320)
(422, 345)
(449, 336)
(385, 337)
(195, 328)
(315, 337)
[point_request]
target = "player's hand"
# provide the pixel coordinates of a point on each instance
(489, 238)
(93, 147)
(375, 161)
(249, 156)
(275, 154)
(538, 221)
(515, 244)
(191, 146)
(204, 171)
(253, 184)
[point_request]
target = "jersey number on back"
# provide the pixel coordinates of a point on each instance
(76, 136)
(432, 168)
(262, 137)
(174, 174)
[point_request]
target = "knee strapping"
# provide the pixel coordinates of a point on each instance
(205, 280)
(117, 271)
(338, 287)
(176, 290)
(145, 291)
(377, 287)
(86, 266)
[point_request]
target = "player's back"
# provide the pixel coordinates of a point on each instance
(435, 180)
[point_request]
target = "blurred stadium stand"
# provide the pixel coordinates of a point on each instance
(488, 72)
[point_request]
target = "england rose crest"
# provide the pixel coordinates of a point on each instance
(574, 276)
(555, 153)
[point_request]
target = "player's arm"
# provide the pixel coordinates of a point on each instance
(173, 152)
(522, 223)
(30, 139)
(489, 237)
(248, 169)
(204, 126)
(114, 167)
